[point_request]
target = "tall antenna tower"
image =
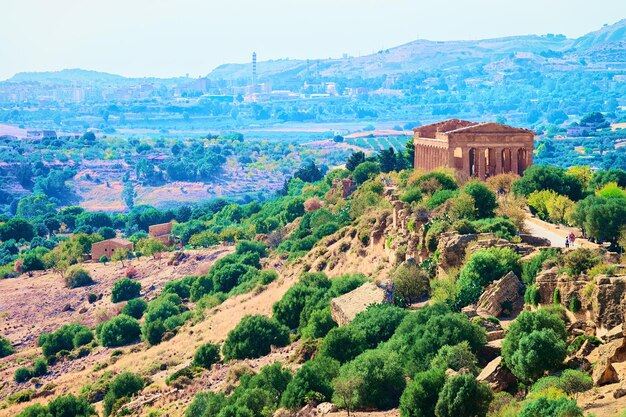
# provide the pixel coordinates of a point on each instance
(254, 71)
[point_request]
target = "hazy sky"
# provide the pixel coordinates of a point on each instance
(172, 38)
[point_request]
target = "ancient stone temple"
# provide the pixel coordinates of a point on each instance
(478, 150)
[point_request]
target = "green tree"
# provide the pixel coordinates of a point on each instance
(125, 289)
(378, 323)
(122, 387)
(312, 381)
(253, 337)
(484, 199)
(365, 171)
(355, 159)
(119, 331)
(420, 396)
(463, 396)
(381, 376)
(343, 344)
(135, 308)
(534, 344)
(548, 407)
(207, 355)
(151, 247)
(6, 348)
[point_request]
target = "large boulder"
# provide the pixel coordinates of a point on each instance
(609, 353)
(497, 375)
(343, 309)
(609, 302)
(504, 296)
(452, 248)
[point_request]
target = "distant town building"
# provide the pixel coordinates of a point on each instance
(107, 247)
(478, 150)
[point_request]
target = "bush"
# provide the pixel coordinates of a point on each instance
(206, 404)
(463, 396)
(574, 304)
(343, 344)
(119, 331)
(40, 367)
(153, 331)
(364, 171)
(380, 377)
(534, 344)
(77, 277)
(92, 298)
(125, 289)
(411, 282)
(68, 406)
(378, 323)
(6, 348)
(439, 197)
(320, 323)
(411, 196)
(456, 357)
(207, 355)
(533, 266)
(434, 181)
(484, 267)
(580, 261)
(22, 375)
(32, 262)
(135, 308)
(548, 407)
(103, 259)
(421, 394)
(312, 381)
(124, 385)
(253, 337)
(484, 198)
(64, 338)
(247, 246)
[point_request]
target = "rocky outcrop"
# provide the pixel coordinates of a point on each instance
(609, 302)
(503, 297)
(343, 309)
(534, 240)
(453, 247)
(549, 280)
(613, 352)
(497, 375)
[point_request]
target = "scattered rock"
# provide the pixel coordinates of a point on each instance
(497, 375)
(67, 307)
(83, 310)
(615, 333)
(326, 408)
(504, 296)
(613, 352)
(619, 393)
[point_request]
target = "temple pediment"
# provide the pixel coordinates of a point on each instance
(490, 127)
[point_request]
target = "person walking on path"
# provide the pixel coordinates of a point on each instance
(572, 238)
(566, 242)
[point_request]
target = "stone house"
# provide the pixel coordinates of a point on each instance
(107, 247)
(162, 232)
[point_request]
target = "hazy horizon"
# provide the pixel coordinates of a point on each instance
(162, 38)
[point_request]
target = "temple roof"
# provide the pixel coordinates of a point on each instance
(458, 126)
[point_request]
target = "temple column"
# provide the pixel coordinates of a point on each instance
(529, 157)
(514, 161)
(465, 155)
(480, 154)
(498, 156)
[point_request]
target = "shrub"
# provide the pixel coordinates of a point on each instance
(574, 304)
(125, 289)
(548, 407)
(380, 376)
(40, 367)
(421, 394)
(411, 196)
(253, 337)
(532, 295)
(207, 355)
(124, 385)
(365, 171)
(92, 298)
(20, 397)
(247, 246)
(456, 357)
(580, 260)
(556, 296)
(22, 375)
(61, 407)
(131, 272)
(103, 259)
(343, 344)
(135, 308)
(435, 181)
(320, 323)
(32, 262)
(439, 197)
(378, 323)
(484, 267)
(484, 198)
(535, 343)
(463, 396)
(312, 381)
(533, 266)
(64, 338)
(411, 282)
(119, 331)
(206, 404)
(6, 348)
(153, 331)
(77, 277)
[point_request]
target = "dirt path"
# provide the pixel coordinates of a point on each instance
(556, 234)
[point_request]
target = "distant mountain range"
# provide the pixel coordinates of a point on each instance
(604, 47)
